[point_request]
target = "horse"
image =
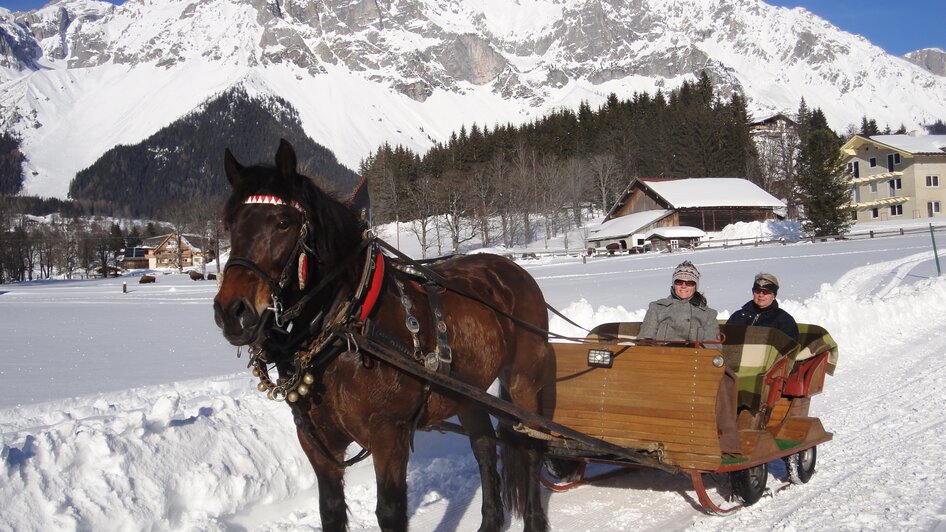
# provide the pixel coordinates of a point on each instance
(286, 234)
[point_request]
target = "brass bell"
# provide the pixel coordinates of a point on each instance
(292, 397)
(308, 378)
(302, 389)
(262, 386)
(256, 372)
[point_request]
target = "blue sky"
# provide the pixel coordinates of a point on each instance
(898, 27)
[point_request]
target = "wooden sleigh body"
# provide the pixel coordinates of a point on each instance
(661, 401)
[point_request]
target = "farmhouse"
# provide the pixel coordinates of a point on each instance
(707, 203)
(774, 126)
(135, 257)
(674, 237)
(170, 250)
(896, 176)
(628, 233)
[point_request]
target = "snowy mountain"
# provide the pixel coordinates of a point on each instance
(80, 76)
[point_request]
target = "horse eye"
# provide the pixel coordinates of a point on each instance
(283, 224)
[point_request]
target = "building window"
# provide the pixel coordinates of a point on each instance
(896, 210)
(895, 185)
(873, 187)
(873, 162)
(875, 212)
(932, 208)
(674, 244)
(857, 169)
(896, 158)
(932, 181)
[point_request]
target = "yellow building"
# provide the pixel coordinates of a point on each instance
(896, 176)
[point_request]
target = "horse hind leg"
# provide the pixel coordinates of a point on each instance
(479, 428)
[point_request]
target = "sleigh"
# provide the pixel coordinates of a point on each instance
(660, 400)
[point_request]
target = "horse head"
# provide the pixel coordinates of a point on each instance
(284, 231)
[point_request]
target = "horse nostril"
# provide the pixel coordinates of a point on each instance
(241, 311)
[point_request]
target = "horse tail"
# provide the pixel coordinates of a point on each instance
(521, 457)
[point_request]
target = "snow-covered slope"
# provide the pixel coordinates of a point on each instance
(79, 76)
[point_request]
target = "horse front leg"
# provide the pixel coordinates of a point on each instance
(390, 447)
(325, 454)
(332, 507)
(479, 428)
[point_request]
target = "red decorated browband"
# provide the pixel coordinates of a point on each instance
(272, 200)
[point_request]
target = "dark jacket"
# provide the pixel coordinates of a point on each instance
(771, 316)
(673, 318)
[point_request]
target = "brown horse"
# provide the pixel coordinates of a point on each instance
(297, 272)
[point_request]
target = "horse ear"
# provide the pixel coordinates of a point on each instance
(233, 169)
(286, 159)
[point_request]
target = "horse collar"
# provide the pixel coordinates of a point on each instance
(374, 287)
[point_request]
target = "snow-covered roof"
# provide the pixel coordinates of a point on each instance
(627, 225)
(911, 144)
(676, 231)
(713, 192)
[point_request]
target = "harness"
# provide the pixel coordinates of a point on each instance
(334, 327)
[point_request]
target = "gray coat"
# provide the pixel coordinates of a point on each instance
(675, 319)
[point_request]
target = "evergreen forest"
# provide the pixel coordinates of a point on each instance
(183, 162)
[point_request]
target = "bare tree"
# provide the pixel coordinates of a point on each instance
(455, 200)
(577, 181)
(422, 204)
(509, 197)
(181, 219)
(552, 196)
(483, 192)
(778, 158)
(526, 174)
(205, 221)
(604, 173)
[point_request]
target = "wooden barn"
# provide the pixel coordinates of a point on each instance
(706, 203)
(171, 250)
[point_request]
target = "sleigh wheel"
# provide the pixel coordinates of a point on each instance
(749, 484)
(801, 465)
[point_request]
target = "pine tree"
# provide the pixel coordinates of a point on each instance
(822, 187)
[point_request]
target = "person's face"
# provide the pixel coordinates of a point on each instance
(684, 289)
(763, 297)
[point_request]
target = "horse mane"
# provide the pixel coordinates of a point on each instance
(335, 230)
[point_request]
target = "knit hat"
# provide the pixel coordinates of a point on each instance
(686, 271)
(766, 281)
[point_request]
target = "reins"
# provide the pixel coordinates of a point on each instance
(445, 283)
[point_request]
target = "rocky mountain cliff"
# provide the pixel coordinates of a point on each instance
(80, 76)
(932, 59)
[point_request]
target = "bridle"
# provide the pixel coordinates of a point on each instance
(298, 260)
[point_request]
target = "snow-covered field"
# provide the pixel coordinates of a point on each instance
(128, 411)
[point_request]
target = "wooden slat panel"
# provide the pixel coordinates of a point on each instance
(652, 395)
